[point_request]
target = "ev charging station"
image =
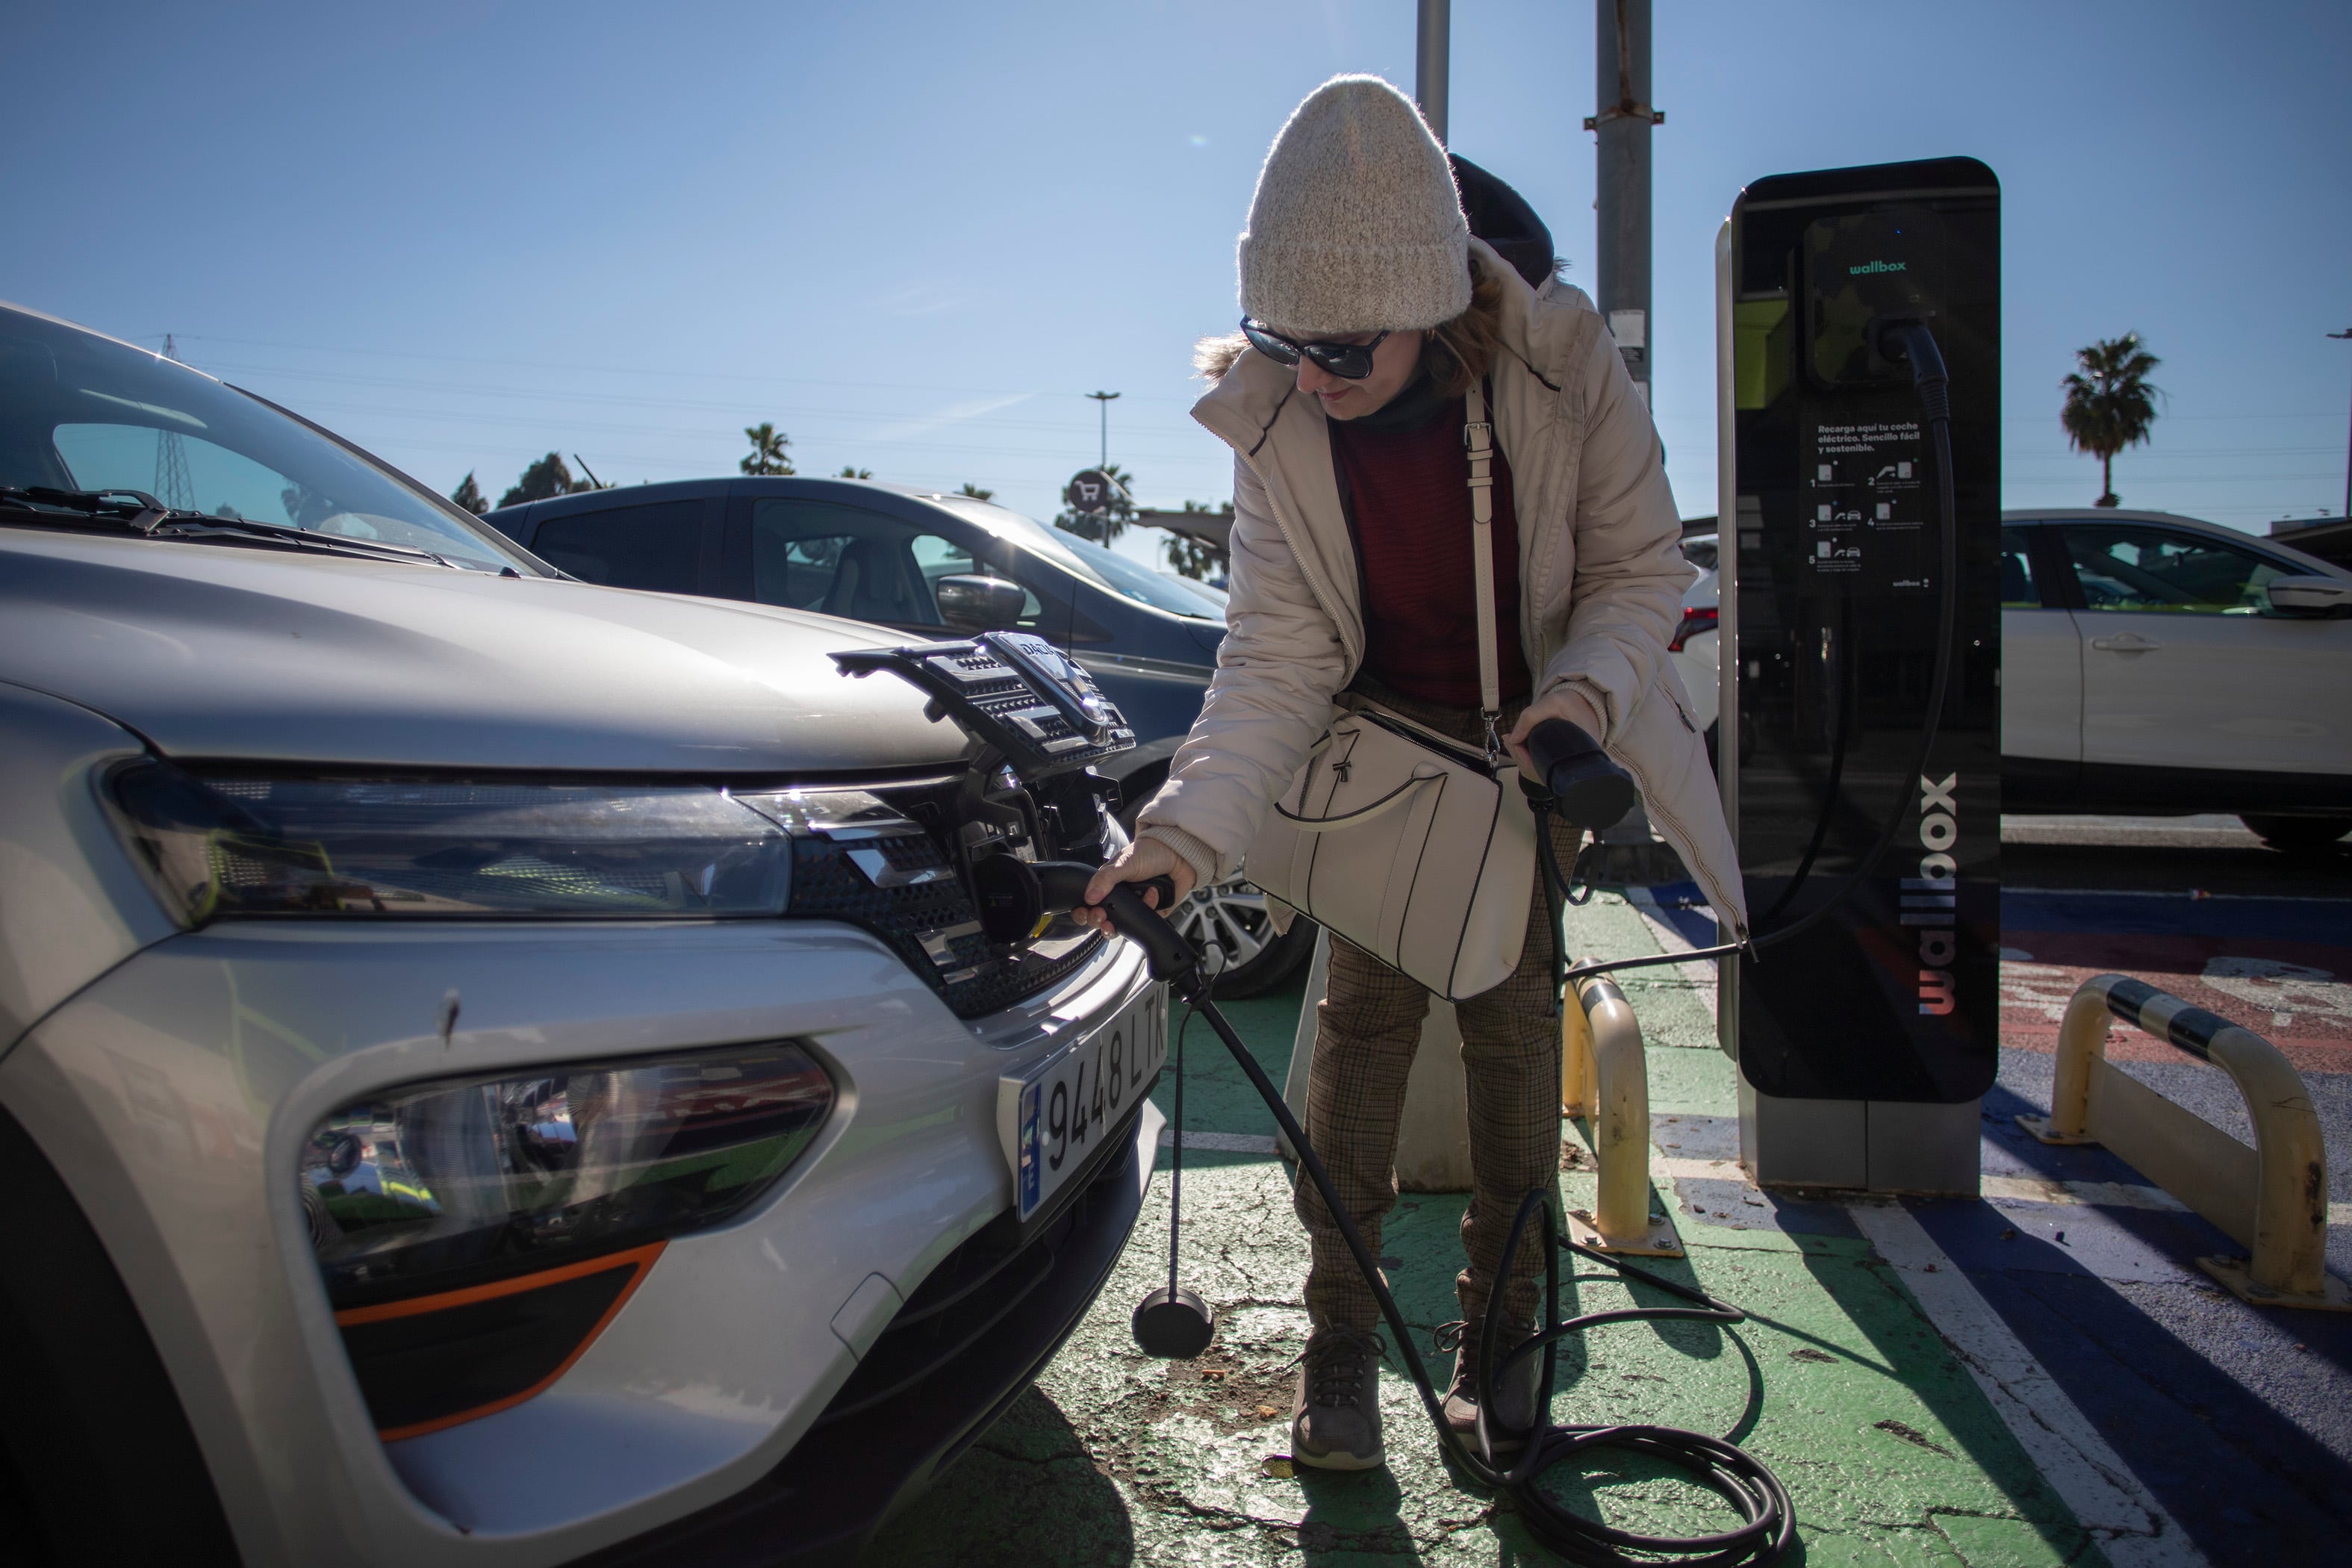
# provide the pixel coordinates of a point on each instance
(1866, 1040)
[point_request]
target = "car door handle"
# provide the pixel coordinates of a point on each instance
(2128, 642)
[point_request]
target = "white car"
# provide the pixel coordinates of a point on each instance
(1695, 647)
(494, 1068)
(2151, 664)
(2160, 664)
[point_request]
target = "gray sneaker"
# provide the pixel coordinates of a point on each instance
(1335, 1417)
(1515, 1401)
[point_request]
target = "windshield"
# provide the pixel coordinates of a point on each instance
(79, 412)
(1106, 569)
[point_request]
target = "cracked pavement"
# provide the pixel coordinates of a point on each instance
(1886, 1432)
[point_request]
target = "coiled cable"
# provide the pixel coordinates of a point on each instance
(1768, 1523)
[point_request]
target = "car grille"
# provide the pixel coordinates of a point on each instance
(928, 920)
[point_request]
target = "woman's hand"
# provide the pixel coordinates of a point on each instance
(1560, 702)
(1144, 859)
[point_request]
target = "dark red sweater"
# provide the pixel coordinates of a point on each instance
(1404, 481)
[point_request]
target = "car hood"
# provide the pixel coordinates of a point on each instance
(221, 652)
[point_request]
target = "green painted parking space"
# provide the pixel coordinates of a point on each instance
(1890, 1450)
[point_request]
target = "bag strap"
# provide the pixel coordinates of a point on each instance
(1478, 436)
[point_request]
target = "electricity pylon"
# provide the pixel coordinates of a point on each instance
(173, 486)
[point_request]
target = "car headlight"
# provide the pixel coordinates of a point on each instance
(476, 1234)
(219, 845)
(441, 850)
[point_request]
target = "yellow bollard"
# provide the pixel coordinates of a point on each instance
(1617, 1097)
(2270, 1199)
(1578, 1091)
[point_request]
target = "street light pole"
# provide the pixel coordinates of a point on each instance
(2347, 333)
(1103, 398)
(1433, 43)
(1621, 126)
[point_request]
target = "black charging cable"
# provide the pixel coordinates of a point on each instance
(1904, 339)
(1840, 738)
(1176, 1158)
(1767, 1519)
(1581, 785)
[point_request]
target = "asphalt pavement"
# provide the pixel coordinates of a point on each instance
(2041, 1375)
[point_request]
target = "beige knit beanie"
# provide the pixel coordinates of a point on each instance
(1356, 225)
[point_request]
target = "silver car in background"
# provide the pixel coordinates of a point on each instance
(492, 1068)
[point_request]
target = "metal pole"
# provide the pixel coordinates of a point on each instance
(1429, 65)
(1620, 124)
(1104, 399)
(2348, 449)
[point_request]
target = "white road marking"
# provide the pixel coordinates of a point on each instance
(2012, 1189)
(2131, 1526)
(2281, 990)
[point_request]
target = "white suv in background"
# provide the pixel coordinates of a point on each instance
(2150, 664)
(2160, 664)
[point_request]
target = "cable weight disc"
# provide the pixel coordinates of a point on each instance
(1173, 1325)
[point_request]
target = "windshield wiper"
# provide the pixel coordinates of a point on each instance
(201, 525)
(136, 509)
(141, 514)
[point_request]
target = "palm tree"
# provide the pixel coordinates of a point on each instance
(975, 492)
(1190, 556)
(2110, 403)
(767, 445)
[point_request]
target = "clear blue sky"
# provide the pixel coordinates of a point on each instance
(915, 235)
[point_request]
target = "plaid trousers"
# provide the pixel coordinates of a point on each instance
(1367, 1031)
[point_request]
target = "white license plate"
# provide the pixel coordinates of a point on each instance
(1058, 1113)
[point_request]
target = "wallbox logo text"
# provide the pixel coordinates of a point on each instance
(1876, 266)
(1931, 900)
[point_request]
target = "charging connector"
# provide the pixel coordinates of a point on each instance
(1172, 1321)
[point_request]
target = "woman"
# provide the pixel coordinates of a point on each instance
(1370, 312)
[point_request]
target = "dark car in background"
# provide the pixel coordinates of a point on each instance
(937, 565)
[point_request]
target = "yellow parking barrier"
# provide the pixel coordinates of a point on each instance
(2271, 1199)
(1605, 1079)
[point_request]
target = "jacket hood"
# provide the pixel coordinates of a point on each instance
(221, 652)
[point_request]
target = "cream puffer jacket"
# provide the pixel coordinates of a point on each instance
(1601, 576)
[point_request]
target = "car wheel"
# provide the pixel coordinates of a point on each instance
(1233, 916)
(2298, 833)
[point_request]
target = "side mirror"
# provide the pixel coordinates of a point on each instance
(980, 603)
(2314, 595)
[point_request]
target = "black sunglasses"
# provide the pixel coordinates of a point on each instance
(1348, 362)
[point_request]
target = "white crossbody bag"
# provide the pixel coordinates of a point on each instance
(1417, 848)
